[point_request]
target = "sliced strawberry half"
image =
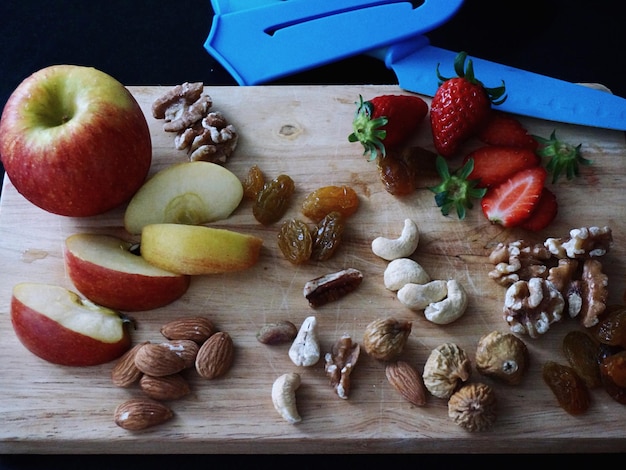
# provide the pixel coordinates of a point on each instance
(504, 129)
(495, 164)
(544, 213)
(511, 203)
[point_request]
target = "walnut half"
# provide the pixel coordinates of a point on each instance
(530, 307)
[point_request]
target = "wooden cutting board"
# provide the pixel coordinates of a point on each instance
(302, 131)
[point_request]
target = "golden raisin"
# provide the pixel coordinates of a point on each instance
(569, 389)
(614, 366)
(582, 351)
(295, 241)
(327, 236)
(327, 199)
(611, 329)
(253, 183)
(273, 200)
(399, 170)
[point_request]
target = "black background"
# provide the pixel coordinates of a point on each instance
(143, 42)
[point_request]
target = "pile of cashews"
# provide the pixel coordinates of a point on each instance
(443, 301)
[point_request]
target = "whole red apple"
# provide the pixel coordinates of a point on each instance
(55, 324)
(74, 141)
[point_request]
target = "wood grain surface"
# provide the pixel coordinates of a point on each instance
(302, 131)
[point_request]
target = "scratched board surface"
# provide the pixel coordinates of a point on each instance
(302, 131)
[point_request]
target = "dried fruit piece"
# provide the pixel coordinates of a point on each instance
(611, 329)
(215, 356)
(384, 338)
(327, 199)
(473, 407)
(582, 353)
(295, 241)
(140, 413)
(327, 236)
(273, 200)
(253, 183)
(399, 169)
(331, 287)
(502, 356)
(569, 389)
(446, 366)
(277, 333)
(197, 329)
(407, 381)
(614, 367)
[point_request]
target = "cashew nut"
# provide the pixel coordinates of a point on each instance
(449, 309)
(305, 349)
(402, 271)
(401, 247)
(284, 396)
(419, 296)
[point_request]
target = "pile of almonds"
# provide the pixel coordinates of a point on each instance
(157, 367)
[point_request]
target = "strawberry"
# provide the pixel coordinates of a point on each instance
(495, 164)
(504, 129)
(544, 213)
(511, 203)
(461, 107)
(562, 157)
(386, 120)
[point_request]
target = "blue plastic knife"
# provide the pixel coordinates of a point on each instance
(260, 40)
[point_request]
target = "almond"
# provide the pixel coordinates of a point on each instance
(185, 348)
(197, 329)
(125, 372)
(169, 387)
(158, 360)
(215, 356)
(140, 413)
(407, 381)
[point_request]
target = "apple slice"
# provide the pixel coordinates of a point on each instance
(191, 193)
(57, 325)
(198, 249)
(105, 270)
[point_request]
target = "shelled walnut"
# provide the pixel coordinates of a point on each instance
(205, 134)
(571, 267)
(530, 307)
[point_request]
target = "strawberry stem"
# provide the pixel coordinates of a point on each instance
(563, 158)
(455, 191)
(367, 130)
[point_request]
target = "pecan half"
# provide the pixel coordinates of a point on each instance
(331, 287)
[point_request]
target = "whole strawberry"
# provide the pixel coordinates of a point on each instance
(386, 121)
(461, 106)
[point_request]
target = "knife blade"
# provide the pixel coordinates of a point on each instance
(415, 61)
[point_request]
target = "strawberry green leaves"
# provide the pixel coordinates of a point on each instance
(563, 158)
(455, 192)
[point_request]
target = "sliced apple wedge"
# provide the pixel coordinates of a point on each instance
(191, 193)
(59, 326)
(198, 249)
(105, 270)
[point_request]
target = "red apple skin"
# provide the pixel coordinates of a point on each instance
(88, 165)
(123, 291)
(56, 344)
